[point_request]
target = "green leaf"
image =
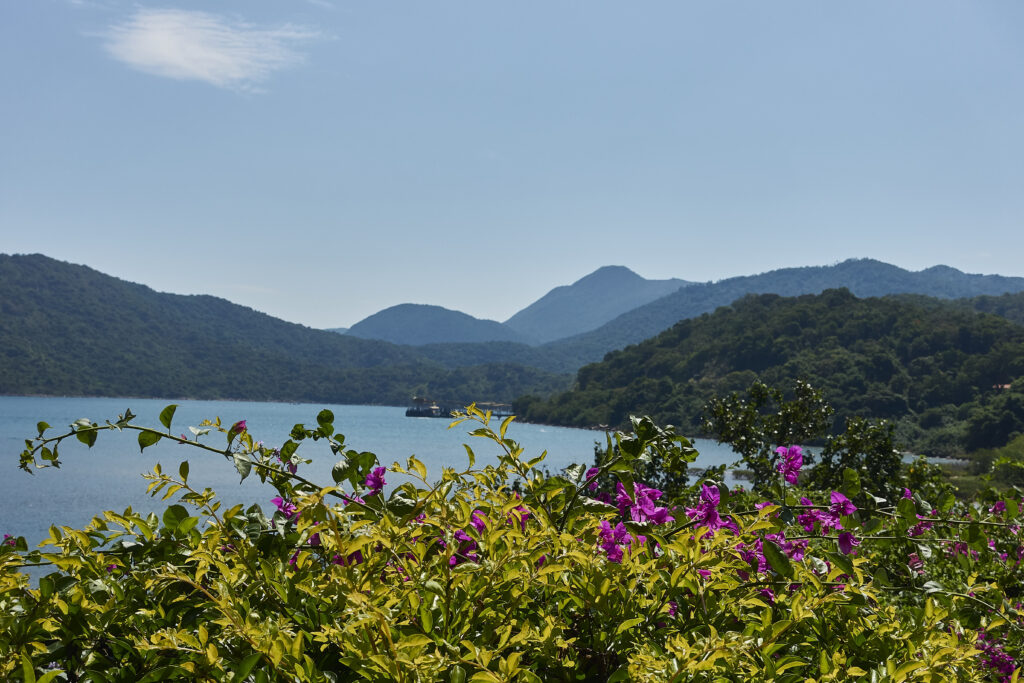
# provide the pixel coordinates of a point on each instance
(946, 501)
(183, 470)
(288, 450)
(628, 624)
(325, 418)
(242, 668)
(843, 562)
(243, 465)
(339, 472)
(146, 439)
(575, 471)
(457, 674)
(907, 510)
(42, 427)
(173, 516)
(777, 559)
(851, 483)
(595, 505)
(167, 414)
(976, 538)
(87, 437)
(27, 670)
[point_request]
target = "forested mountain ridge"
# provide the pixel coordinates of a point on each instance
(863, 277)
(68, 329)
(932, 368)
(588, 303)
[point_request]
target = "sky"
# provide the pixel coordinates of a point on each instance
(320, 160)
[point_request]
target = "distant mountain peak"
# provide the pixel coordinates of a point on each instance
(419, 324)
(588, 303)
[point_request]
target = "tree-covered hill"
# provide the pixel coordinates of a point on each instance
(68, 329)
(934, 368)
(863, 277)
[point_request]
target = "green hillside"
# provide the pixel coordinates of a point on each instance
(70, 330)
(934, 368)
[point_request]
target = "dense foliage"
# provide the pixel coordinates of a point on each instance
(940, 374)
(501, 573)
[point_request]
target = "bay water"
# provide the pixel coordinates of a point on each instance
(109, 475)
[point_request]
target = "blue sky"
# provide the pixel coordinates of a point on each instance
(320, 159)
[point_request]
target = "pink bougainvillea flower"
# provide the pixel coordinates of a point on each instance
(375, 480)
(642, 507)
(592, 478)
(465, 551)
(792, 461)
(705, 514)
(286, 508)
(847, 542)
(351, 559)
(841, 505)
(476, 520)
(238, 427)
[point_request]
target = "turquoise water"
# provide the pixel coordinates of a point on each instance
(108, 476)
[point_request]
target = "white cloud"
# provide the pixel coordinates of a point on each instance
(192, 45)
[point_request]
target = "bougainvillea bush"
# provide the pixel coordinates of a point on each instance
(501, 572)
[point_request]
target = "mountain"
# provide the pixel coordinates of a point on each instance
(953, 378)
(588, 303)
(863, 277)
(68, 329)
(416, 324)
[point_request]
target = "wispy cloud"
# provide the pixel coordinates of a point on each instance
(200, 46)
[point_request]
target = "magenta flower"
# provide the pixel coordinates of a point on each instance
(465, 551)
(375, 480)
(705, 514)
(907, 493)
(642, 507)
(998, 508)
(592, 478)
(612, 538)
(286, 508)
(847, 542)
(792, 461)
(351, 559)
(9, 540)
(238, 427)
(841, 505)
(476, 520)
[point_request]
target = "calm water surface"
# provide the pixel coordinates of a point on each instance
(109, 476)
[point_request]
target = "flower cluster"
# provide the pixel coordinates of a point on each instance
(705, 514)
(641, 507)
(791, 462)
(614, 540)
(994, 657)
